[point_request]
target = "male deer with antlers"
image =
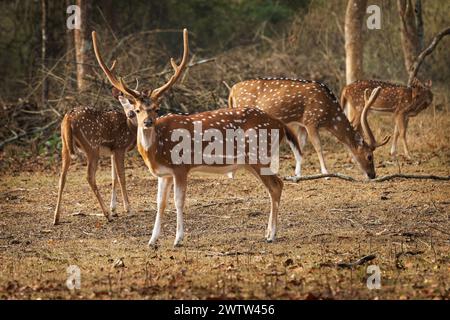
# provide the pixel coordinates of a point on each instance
(402, 101)
(96, 133)
(157, 143)
(310, 105)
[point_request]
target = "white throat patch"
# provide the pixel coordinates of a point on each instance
(146, 137)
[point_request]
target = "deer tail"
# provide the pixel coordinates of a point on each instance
(66, 135)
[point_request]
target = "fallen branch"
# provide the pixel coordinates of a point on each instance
(380, 179)
(358, 262)
(320, 176)
(410, 176)
(399, 263)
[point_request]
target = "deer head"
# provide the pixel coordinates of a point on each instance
(141, 107)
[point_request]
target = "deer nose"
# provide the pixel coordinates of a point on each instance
(131, 114)
(148, 122)
(371, 175)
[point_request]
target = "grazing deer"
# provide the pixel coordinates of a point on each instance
(402, 101)
(310, 105)
(97, 133)
(157, 141)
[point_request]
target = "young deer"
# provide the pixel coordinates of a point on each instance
(310, 105)
(402, 101)
(97, 133)
(158, 143)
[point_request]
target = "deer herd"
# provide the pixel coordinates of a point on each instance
(261, 113)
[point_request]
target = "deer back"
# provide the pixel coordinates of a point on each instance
(392, 98)
(290, 100)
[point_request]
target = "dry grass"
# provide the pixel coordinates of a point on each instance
(224, 255)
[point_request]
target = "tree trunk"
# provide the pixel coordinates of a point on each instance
(419, 24)
(81, 45)
(409, 32)
(354, 17)
(44, 95)
(70, 57)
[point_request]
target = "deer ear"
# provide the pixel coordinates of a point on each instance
(126, 105)
(116, 93)
(429, 83)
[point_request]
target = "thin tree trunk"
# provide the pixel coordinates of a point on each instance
(428, 50)
(409, 32)
(419, 24)
(81, 45)
(354, 17)
(44, 95)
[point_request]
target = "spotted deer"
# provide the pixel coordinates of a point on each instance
(401, 101)
(306, 106)
(98, 133)
(158, 141)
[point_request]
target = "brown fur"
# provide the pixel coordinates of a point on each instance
(401, 101)
(305, 106)
(93, 132)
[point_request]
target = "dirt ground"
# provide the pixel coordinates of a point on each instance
(404, 223)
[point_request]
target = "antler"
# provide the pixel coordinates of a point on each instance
(369, 99)
(117, 83)
(178, 69)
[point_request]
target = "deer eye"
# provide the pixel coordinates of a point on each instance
(137, 111)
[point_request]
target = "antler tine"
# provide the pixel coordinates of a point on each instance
(118, 84)
(369, 99)
(177, 68)
(113, 65)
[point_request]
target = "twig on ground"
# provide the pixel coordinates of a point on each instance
(398, 262)
(380, 179)
(358, 262)
(320, 176)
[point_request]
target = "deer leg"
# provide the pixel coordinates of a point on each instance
(113, 204)
(301, 135)
(395, 135)
(402, 130)
(92, 169)
(274, 186)
(164, 185)
(62, 181)
(179, 189)
(119, 159)
(315, 140)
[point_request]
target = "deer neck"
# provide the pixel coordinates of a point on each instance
(341, 128)
(146, 142)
